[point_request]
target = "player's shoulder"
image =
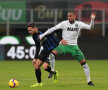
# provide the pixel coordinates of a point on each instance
(65, 21)
(43, 29)
(78, 22)
(35, 37)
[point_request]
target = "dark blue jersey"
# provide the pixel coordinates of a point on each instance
(49, 42)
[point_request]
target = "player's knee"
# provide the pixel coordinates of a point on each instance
(83, 62)
(37, 67)
(54, 53)
(45, 66)
(38, 64)
(85, 66)
(34, 62)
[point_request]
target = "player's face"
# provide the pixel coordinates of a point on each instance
(71, 17)
(32, 30)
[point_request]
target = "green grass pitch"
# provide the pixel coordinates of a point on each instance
(71, 74)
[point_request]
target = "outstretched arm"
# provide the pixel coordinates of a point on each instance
(91, 25)
(47, 32)
(93, 15)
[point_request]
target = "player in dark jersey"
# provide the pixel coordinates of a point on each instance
(49, 43)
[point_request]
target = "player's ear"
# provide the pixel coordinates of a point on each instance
(36, 29)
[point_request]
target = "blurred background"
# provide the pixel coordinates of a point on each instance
(17, 44)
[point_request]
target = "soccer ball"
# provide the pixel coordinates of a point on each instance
(13, 83)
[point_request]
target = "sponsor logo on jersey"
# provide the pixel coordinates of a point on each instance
(72, 29)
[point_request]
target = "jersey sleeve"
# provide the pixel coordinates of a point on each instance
(87, 26)
(49, 31)
(59, 26)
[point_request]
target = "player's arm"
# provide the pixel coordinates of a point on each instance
(93, 15)
(37, 44)
(91, 25)
(49, 31)
(37, 52)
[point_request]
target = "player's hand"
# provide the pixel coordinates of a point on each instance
(93, 15)
(40, 37)
(64, 42)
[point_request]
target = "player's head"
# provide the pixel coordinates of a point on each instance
(71, 16)
(32, 28)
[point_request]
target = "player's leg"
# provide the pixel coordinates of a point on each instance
(51, 59)
(37, 65)
(57, 51)
(87, 72)
(78, 55)
(46, 66)
(41, 59)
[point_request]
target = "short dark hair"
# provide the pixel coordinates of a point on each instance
(72, 11)
(31, 25)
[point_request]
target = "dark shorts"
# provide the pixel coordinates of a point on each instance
(44, 55)
(47, 61)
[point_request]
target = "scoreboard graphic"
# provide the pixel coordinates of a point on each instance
(17, 52)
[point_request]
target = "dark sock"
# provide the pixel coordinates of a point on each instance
(48, 69)
(38, 75)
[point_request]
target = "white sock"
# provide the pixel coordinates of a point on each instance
(52, 61)
(87, 72)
